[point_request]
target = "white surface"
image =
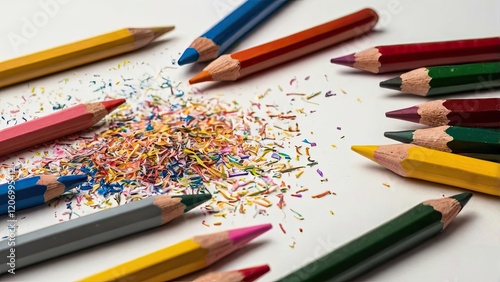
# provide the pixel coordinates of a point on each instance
(469, 250)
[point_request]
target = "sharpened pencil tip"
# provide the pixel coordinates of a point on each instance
(192, 201)
(201, 77)
(365, 151)
(189, 56)
(72, 181)
(111, 105)
(393, 83)
(401, 136)
(348, 60)
(408, 114)
(462, 198)
(161, 30)
(252, 273)
(241, 236)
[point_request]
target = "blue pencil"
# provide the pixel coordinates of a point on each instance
(226, 32)
(34, 191)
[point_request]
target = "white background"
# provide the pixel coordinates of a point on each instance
(469, 250)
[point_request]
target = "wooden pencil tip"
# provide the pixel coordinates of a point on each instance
(366, 151)
(408, 114)
(161, 30)
(463, 198)
(393, 83)
(201, 77)
(111, 105)
(348, 60)
(252, 273)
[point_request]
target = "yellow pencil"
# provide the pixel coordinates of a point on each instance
(77, 53)
(182, 258)
(413, 161)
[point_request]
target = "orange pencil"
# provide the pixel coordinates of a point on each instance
(246, 62)
(53, 126)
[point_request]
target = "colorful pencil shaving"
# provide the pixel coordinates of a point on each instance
(167, 143)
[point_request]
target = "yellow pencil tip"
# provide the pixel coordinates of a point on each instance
(201, 77)
(365, 151)
(161, 30)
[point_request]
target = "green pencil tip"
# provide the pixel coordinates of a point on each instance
(401, 136)
(192, 201)
(393, 83)
(462, 198)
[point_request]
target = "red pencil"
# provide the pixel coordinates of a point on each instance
(246, 62)
(240, 275)
(461, 112)
(53, 126)
(390, 58)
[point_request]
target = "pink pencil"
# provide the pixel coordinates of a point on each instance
(53, 126)
(182, 258)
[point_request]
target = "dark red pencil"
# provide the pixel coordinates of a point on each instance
(243, 275)
(53, 126)
(390, 58)
(461, 112)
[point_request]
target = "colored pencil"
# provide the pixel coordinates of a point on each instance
(225, 33)
(246, 62)
(55, 125)
(391, 58)
(96, 228)
(413, 161)
(182, 258)
(77, 53)
(37, 190)
(452, 139)
(462, 112)
(487, 157)
(379, 245)
(240, 275)
(447, 79)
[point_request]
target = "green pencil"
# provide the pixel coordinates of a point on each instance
(97, 228)
(413, 227)
(452, 139)
(447, 79)
(486, 157)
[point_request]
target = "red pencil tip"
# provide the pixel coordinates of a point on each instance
(201, 77)
(252, 273)
(408, 114)
(348, 60)
(111, 105)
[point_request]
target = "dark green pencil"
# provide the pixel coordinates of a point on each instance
(97, 228)
(452, 139)
(486, 157)
(379, 245)
(447, 79)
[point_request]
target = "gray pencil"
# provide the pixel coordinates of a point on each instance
(94, 229)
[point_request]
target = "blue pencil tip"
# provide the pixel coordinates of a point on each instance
(71, 181)
(189, 56)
